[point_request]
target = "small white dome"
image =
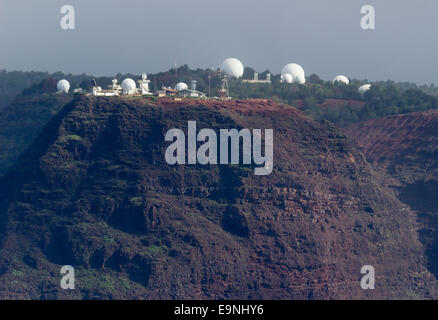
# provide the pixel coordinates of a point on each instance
(128, 86)
(364, 88)
(232, 67)
(181, 86)
(287, 78)
(300, 79)
(342, 79)
(296, 71)
(63, 86)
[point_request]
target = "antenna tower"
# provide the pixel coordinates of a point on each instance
(223, 91)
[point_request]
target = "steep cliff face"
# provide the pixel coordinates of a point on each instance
(405, 148)
(22, 121)
(94, 191)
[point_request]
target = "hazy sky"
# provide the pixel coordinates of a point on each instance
(324, 36)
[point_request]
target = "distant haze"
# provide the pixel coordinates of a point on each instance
(133, 36)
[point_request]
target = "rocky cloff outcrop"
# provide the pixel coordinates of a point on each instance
(405, 149)
(94, 191)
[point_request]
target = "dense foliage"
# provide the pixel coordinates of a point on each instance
(13, 83)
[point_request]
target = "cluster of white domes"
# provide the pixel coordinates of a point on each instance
(291, 73)
(232, 67)
(364, 88)
(294, 70)
(342, 79)
(63, 86)
(181, 86)
(128, 86)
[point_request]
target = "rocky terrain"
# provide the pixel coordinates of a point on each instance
(405, 148)
(22, 121)
(94, 191)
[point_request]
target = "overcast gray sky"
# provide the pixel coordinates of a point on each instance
(323, 36)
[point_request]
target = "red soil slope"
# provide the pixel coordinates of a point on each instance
(398, 136)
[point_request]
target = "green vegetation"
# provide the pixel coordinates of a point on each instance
(154, 251)
(73, 137)
(14, 82)
(22, 120)
(314, 98)
(385, 98)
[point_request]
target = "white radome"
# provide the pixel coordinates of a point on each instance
(342, 79)
(300, 79)
(63, 86)
(232, 67)
(128, 86)
(181, 86)
(287, 78)
(296, 71)
(364, 88)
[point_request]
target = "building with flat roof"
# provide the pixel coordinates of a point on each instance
(256, 79)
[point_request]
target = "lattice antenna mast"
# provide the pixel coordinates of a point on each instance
(224, 92)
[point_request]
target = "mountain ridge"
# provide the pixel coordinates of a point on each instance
(405, 149)
(94, 191)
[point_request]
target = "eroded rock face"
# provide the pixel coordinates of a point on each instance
(94, 191)
(405, 149)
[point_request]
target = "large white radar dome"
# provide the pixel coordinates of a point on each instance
(63, 86)
(364, 88)
(287, 78)
(296, 71)
(232, 67)
(342, 79)
(128, 86)
(181, 86)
